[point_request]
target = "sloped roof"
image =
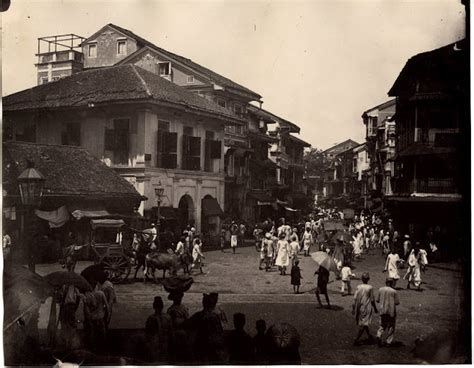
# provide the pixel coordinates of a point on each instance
(449, 64)
(299, 141)
(68, 170)
(111, 84)
(340, 147)
(381, 106)
(270, 117)
(217, 78)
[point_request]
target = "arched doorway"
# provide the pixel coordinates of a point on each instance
(186, 211)
(205, 225)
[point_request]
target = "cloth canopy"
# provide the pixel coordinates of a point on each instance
(106, 223)
(78, 214)
(56, 218)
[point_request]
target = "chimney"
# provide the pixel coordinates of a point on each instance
(58, 56)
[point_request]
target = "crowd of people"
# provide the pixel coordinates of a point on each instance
(175, 337)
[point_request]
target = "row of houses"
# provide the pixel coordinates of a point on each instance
(415, 153)
(161, 120)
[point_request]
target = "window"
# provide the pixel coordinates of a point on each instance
(239, 110)
(190, 78)
(71, 134)
(164, 68)
(167, 144)
(221, 102)
(56, 78)
(117, 141)
(92, 50)
(191, 150)
(43, 80)
(209, 134)
(122, 47)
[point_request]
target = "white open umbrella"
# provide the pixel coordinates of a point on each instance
(324, 260)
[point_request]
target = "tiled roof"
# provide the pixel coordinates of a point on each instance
(448, 64)
(341, 147)
(68, 170)
(217, 78)
(118, 83)
(270, 117)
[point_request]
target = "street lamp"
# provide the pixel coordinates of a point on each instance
(159, 194)
(30, 184)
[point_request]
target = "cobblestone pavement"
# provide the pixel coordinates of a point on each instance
(326, 335)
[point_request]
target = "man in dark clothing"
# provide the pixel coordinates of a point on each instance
(321, 288)
(260, 343)
(209, 338)
(240, 345)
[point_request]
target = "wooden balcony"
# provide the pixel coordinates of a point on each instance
(427, 185)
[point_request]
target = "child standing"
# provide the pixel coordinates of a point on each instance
(346, 275)
(296, 277)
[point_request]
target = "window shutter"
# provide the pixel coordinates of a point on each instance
(216, 149)
(170, 142)
(109, 139)
(195, 146)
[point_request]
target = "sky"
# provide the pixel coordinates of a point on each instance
(317, 63)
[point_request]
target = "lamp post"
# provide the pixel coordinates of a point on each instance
(159, 194)
(30, 184)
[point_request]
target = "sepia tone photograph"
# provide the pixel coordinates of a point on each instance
(210, 182)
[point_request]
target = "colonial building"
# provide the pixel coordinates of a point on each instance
(151, 131)
(432, 122)
(338, 176)
(380, 141)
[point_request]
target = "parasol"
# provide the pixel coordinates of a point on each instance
(324, 260)
(60, 278)
(23, 290)
(283, 336)
(177, 284)
(344, 236)
(94, 273)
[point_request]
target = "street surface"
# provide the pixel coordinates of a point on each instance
(326, 335)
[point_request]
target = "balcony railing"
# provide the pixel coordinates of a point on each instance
(437, 137)
(427, 185)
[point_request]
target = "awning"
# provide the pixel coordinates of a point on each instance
(56, 218)
(210, 207)
(107, 223)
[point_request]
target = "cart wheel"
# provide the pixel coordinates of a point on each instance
(117, 268)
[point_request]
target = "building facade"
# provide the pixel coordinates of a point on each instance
(152, 132)
(380, 128)
(432, 118)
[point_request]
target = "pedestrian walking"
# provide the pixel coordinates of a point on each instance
(322, 285)
(283, 249)
(363, 308)
(234, 237)
(108, 288)
(296, 277)
(7, 245)
(388, 300)
(180, 246)
(346, 275)
(416, 262)
(406, 247)
(268, 249)
(197, 255)
(391, 266)
(294, 247)
(70, 299)
(308, 241)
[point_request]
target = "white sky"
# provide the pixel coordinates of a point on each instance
(317, 63)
